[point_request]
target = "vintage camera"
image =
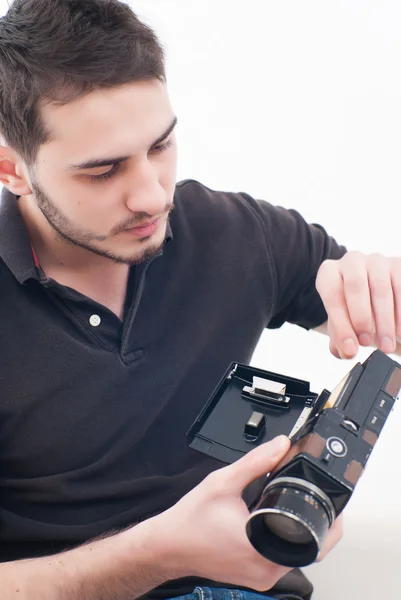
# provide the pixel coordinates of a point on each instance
(332, 436)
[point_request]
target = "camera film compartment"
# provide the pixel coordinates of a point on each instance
(263, 391)
(248, 407)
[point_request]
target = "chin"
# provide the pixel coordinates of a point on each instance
(143, 253)
(137, 250)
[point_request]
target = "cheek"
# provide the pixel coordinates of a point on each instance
(88, 206)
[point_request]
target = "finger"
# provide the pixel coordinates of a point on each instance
(333, 350)
(381, 294)
(334, 535)
(330, 286)
(396, 285)
(255, 464)
(265, 576)
(332, 346)
(357, 297)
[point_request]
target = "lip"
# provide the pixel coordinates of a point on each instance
(144, 230)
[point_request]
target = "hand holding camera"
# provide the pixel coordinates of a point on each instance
(332, 437)
(206, 529)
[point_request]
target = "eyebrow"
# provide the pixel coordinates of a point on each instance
(106, 162)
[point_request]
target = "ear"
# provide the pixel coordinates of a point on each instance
(12, 174)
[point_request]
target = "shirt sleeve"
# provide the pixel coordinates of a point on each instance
(296, 249)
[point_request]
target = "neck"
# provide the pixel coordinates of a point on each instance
(95, 276)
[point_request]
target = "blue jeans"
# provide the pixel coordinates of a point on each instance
(206, 593)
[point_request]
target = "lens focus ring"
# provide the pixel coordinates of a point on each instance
(291, 522)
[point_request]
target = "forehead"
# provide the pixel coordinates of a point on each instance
(121, 120)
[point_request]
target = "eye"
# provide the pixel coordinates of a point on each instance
(115, 168)
(108, 175)
(162, 147)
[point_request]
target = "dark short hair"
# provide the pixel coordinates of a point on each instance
(60, 50)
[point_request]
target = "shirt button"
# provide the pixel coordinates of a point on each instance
(95, 320)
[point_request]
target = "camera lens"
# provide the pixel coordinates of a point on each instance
(287, 529)
(291, 522)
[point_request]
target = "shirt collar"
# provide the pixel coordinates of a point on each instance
(169, 232)
(15, 247)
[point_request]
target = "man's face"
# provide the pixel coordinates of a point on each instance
(120, 207)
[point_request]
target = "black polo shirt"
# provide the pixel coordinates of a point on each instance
(94, 411)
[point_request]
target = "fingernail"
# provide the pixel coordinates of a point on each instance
(349, 347)
(365, 339)
(278, 444)
(387, 345)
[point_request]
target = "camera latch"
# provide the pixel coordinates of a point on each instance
(268, 390)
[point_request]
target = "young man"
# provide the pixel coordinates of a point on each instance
(119, 314)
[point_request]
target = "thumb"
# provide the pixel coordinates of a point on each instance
(256, 463)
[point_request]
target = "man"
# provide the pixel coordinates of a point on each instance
(119, 314)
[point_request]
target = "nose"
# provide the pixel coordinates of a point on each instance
(145, 193)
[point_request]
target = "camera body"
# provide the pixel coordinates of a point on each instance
(332, 436)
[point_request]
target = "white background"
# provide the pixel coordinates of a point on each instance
(298, 102)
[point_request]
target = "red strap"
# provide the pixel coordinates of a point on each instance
(35, 258)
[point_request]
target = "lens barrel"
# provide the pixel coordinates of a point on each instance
(291, 522)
